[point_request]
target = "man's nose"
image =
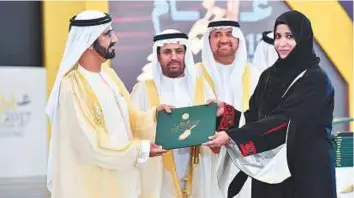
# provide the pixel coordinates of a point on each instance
(173, 55)
(114, 38)
(224, 39)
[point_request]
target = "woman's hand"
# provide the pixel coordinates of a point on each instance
(220, 106)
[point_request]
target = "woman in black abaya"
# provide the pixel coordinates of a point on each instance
(293, 104)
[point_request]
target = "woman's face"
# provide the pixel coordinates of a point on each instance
(284, 41)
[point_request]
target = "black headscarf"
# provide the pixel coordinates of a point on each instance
(284, 71)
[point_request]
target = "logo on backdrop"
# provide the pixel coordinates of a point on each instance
(15, 114)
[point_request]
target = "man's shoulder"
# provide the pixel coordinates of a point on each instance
(142, 85)
(144, 82)
(199, 66)
(66, 83)
(66, 80)
(111, 72)
(200, 69)
(139, 84)
(202, 72)
(205, 83)
(70, 73)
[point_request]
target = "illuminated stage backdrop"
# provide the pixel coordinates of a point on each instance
(136, 22)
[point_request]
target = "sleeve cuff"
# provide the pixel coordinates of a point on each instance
(247, 148)
(144, 153)
(229, 119)
(270, 140)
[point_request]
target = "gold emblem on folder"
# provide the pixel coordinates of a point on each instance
(185, 126)
(186, 133)
(185, 116)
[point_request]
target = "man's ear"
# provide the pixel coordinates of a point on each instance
(158, 54)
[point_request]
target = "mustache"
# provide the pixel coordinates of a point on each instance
(173, 62)
(111, 45)
(225, 43)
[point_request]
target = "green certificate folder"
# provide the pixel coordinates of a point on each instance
(185, 127)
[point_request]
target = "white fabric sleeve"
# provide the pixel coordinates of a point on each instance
(139, 97)
(144, 153)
